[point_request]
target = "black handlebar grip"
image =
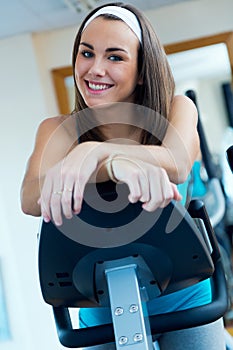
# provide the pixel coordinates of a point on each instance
(230, 157)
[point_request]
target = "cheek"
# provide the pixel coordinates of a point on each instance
(78, 77)
(125, 74)
(129, 76)
(80, 68)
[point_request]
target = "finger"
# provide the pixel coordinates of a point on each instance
(143, 183)
(156, 203)
(45, 216)
(44, 200)
(161, 192)
(165, 202)
(176, 194)
(66, 201)
(145, 188)
(167, 193)
(55, 207)
(56, 196)
(129, 173)
(135, 192)
(170, 193)
(78, 196)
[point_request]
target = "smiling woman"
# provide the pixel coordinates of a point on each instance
(126, 126)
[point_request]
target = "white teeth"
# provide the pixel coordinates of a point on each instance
(97, 86)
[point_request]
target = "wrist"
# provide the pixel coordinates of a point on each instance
(109, 168)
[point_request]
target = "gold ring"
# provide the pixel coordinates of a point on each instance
(58, 192)
(68, 189)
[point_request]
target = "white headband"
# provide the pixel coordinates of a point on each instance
(125, 15)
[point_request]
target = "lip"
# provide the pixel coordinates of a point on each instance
(97, 87)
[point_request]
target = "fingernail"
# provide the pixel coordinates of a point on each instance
(77, 211)
(58, 223)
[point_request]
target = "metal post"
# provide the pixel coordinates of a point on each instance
(129, 313)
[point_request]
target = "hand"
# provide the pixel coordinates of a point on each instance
(65, 182)
(147, 183)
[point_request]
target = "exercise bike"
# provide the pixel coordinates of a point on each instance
(119, 256)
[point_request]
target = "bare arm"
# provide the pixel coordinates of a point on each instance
(51, 144)
(57, 164)
(180, 145)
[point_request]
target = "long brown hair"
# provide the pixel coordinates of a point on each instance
(157, 90)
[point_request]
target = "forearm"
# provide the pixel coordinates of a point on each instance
(180, 145)
(177, 162)
(30, 194)
(179, 148)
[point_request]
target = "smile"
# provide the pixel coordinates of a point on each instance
(98, 86)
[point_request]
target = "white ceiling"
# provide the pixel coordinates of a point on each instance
(27, 16)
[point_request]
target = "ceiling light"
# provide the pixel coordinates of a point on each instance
(81, 5)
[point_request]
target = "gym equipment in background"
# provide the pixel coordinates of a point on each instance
(215, 204)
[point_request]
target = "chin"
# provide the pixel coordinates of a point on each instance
(92, 104)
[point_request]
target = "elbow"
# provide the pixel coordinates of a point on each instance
(185, 166)
(181, 173)
(29, 210)
(28, 207)
(25, 208)
(183, 176)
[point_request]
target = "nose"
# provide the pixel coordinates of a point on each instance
(97, 68)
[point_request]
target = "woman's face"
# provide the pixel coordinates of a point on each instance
(106, 68)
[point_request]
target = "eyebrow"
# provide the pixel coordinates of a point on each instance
(88, 45)
(110, 49)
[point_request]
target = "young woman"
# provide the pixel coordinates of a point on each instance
(127, 126)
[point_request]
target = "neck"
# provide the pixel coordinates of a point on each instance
(117, 120)
(116, 131)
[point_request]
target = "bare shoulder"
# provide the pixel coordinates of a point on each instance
(63, 125)
(183, 106)
(183, 101)
(50, 124)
